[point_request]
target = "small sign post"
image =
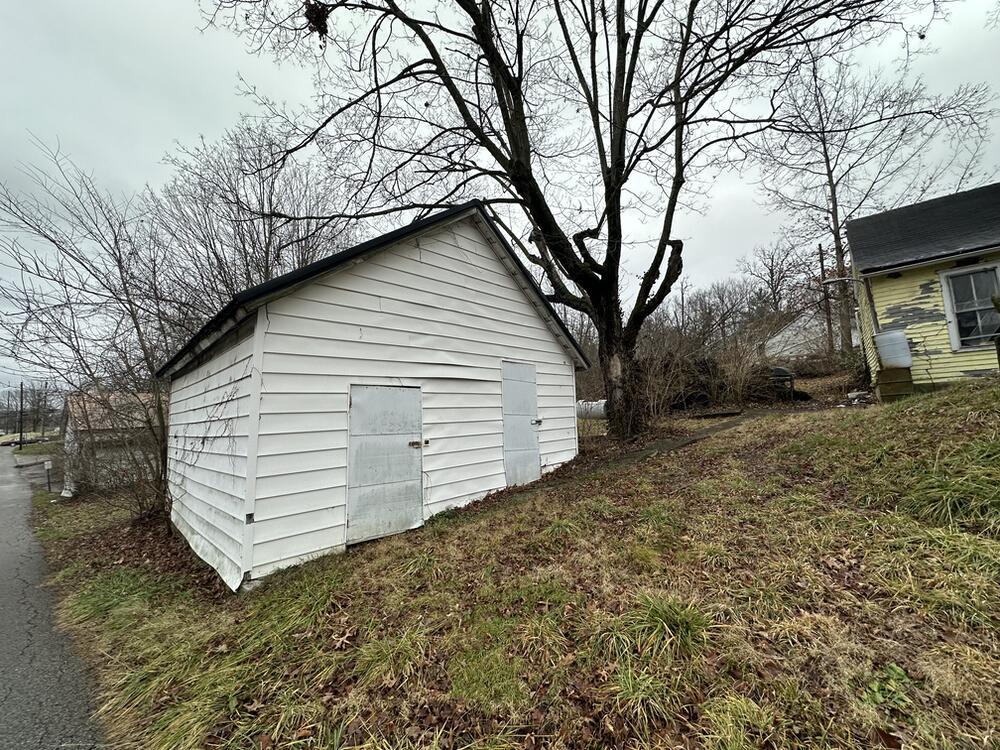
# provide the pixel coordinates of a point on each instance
(48, 475)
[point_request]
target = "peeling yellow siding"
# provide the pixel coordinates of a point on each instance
(914, 301)
(866, 328)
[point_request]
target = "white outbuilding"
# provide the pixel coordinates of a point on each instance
(360, 395)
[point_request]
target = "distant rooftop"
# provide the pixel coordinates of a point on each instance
(940, 228)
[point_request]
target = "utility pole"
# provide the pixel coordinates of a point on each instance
(827, 313)
(20, 415)
(43, 407)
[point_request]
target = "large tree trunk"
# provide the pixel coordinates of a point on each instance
(827, 312)
(845, 298)
(623, 387)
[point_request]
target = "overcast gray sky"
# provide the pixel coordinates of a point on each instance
(118, 82)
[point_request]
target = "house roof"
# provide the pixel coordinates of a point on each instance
(953, 225)
(116, 410)
(244, 303)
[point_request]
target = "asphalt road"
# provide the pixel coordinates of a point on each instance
(45, 693)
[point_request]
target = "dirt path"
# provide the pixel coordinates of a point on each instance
(44, 690)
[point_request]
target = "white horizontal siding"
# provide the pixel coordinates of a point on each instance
(440, 312)
(207, 458)
(297, 501)
(308, 521)
(319, 549)
(357, 367)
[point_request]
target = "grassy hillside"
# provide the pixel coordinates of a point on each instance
(825, 579)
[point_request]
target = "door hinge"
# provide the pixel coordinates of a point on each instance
(249, 518)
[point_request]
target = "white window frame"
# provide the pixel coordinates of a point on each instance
(949, 303)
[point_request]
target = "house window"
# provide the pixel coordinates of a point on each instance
(973, 319)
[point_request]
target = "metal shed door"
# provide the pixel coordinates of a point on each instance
(384, 490)
(521, 460)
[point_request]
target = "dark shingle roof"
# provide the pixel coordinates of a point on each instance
(938, 228)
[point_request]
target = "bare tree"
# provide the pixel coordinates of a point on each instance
(218, 216)
(780, 271)
(105, 287)
(846, 143)
(83, 308)
(40, 407)
(589, 121)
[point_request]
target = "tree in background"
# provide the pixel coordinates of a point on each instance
(83, 307)
(42, 405)
(780, 272)
(588, 121)
(218, 215)
(845, 143)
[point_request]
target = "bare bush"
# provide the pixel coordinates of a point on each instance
(108, 451)
(704, 348)
(84, 307)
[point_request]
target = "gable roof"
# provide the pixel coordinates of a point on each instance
(956, 224)
(96, 411)
(239, 308)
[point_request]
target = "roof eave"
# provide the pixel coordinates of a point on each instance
(216, 327)
(931, 261)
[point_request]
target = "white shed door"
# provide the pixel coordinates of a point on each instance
(521, 460)
(384, 490)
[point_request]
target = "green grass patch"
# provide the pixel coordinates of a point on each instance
(656, 626)
(113, 596)
(60, 520)
(951, 574)
(40, 449)
(17, 435)
(889, 687)
(643, 698)
(959, 487)
(389, 660)
(642, 558)
(943, 468)
(736, 722)
(486, 672)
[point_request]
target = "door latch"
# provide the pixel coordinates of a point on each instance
(536, 421)
(414, 443)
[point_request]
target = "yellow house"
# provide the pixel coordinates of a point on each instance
(930, 270)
